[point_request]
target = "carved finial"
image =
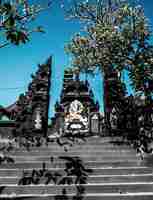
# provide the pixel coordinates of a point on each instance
(49, 61)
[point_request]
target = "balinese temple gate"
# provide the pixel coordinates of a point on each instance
(76, 112)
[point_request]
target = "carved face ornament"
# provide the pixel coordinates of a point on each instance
(76, 107)
(38, 120)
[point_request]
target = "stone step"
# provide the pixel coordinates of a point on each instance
(94, 143)
(117, 171)
(96, 171)
(78, 147)
(83, 157)
(101, 163)
(121, 188)
(130, 178)
(93, 139)
(88, 143)
(99, 196)
(73, 151)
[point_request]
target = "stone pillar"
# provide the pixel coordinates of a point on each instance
(94, 124)
(33, 106)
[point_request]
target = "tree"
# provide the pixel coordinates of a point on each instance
(116, 37)
(15, 18)
(142, 70)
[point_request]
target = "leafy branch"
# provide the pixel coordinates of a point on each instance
(15, 17)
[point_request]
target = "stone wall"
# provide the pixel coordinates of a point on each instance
(32, 115)
(6, 129)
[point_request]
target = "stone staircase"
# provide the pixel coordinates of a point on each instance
(117, 172)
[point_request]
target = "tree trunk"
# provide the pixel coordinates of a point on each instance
(106, 106)
(148, 108)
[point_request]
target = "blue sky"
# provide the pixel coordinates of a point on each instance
(17, 63)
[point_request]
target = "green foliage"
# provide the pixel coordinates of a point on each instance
(117, 91)
(141, 73)
(17, 37)
(15, 19)
(117, 36)
(111, 36)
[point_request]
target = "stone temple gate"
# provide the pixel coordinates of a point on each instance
(29, 114)
(77, 109)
